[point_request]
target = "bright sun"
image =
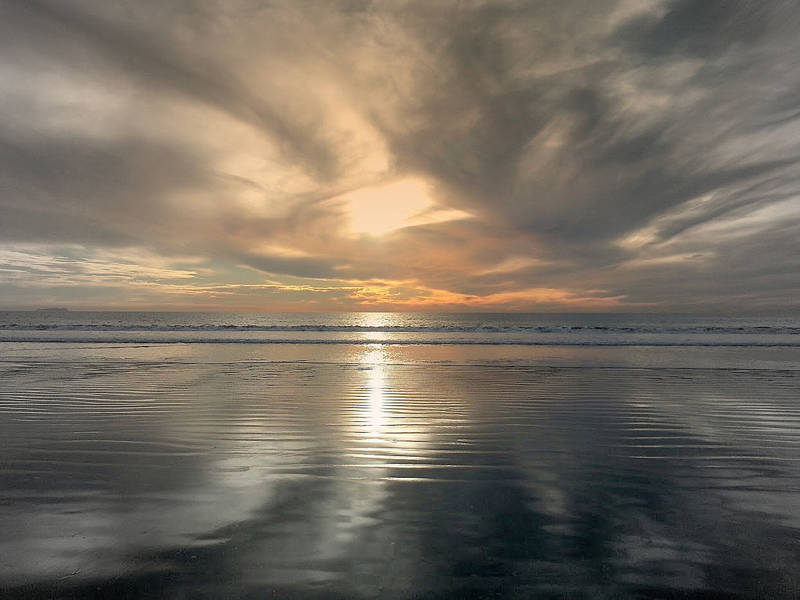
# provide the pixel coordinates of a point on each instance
(378, 210)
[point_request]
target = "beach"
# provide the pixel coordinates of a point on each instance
(355, 300)
(174, 469)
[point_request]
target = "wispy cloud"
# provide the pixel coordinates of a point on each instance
(494, 154)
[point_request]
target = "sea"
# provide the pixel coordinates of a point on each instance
(399, 455)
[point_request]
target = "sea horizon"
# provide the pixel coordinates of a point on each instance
(707, 315)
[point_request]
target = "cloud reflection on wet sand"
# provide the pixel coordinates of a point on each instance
(376, 478)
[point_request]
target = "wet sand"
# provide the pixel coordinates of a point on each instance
(398, 473)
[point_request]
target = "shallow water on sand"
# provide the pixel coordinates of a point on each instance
(230, 473)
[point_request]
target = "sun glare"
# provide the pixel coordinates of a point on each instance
(377, 211)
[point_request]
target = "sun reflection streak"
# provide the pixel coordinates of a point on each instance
(390, 424)
(377, 322)
(375, 410)
(374, 337)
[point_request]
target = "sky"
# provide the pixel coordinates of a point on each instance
(497, 155)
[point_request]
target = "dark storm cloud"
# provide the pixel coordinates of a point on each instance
(642, 149)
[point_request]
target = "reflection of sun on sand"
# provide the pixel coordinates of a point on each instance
(374, 357)
(376, 389)
(389, 425)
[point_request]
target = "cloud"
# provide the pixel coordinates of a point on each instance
(706, 30)
(618, 153)
(160, 65)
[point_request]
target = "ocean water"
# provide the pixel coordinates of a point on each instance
(372, 455)
(400, 328)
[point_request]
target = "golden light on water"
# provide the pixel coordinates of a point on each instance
(374, 358)
(389, 413)
(375, 410)
(376, 321)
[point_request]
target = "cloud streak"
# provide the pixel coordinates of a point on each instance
(605, 155)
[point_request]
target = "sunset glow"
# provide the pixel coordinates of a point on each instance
(377, 211)
(626, 156)
(399, 299)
